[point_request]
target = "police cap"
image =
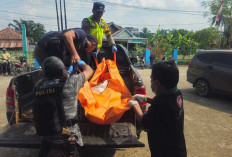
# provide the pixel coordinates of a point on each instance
(98, 6)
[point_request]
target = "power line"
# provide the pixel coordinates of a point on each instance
(41, 4)
(34, 15)
(14, 19)
(164, 24)
(188, 12)
(140, 25)
(26, 14)
(145, 25)
(120, 5)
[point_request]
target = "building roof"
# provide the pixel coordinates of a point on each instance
(123, 34)
(9, 33)
(111, 24)
(10, 38)
(117, 33)
(13, 44)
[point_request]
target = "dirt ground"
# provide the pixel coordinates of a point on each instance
(208, 123)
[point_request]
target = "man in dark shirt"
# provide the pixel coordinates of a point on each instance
(70, 46)
(164, 120)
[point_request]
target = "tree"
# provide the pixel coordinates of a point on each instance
(207, 38)
(33, 30)
(163, 43)
(146, 33)
(39, 31)
(176, 32)
(185, 44)
(225, 18)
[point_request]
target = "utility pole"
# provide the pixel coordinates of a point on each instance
(61, 18)
(65, 19)
(220, 34)
(57, 16)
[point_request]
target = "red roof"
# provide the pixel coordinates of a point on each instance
(10, 38)
(9, 33)
(115, 33)
(11, 44)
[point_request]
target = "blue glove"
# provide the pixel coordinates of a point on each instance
(95, 53)
(75, 68)
(80, 63)
(114, 49)
(70, 69)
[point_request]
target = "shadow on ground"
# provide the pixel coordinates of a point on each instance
(217, 102)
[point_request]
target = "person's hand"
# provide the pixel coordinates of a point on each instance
(114, 49)
(95, 53)
(70, 69)
(132, 103)
(80, 63)
(74, 59)
(139, 98)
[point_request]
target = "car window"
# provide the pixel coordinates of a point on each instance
(205, 57)
(222, 59)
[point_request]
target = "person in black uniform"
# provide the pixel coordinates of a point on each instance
(55, 107)
(164, 120)
(70, 46)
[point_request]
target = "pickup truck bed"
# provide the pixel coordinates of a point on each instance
(21, 134)
(117, 135)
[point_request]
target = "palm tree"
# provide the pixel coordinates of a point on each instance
(38, 31)
(145, 32)
(32, 29)
(218, 23)
(225, 18)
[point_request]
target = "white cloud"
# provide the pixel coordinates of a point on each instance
(32, 11)
(126, 16)
(166, 19)
(148, 3)
(183, 3)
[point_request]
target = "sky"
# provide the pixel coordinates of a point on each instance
(166, 14)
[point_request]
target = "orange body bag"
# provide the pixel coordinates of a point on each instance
(104, 98)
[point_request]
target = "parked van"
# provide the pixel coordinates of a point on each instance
(211, 71)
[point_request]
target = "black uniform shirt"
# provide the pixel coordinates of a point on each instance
(53, 44)
(80, 44)
(164, 121)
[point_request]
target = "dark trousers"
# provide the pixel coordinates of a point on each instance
(6, 67)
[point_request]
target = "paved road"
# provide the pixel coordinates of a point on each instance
(208, 123)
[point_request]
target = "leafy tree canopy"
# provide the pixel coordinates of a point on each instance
(33, 30)
(225, 18)
(207, 38)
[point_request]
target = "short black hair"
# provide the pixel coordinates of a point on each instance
(53, 67)
(92, 38)
(166, 72)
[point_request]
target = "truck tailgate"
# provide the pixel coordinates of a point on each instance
(117, 135)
